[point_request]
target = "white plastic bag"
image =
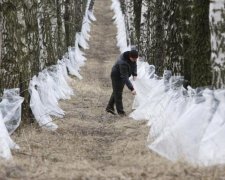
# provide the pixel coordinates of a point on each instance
(10, 108)
(37, 107)
(6, 143)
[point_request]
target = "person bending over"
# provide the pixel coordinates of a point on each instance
(125, 66)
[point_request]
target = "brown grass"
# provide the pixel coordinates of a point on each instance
(89, 143)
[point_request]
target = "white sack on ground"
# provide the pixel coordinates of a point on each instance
(212, 146)
(174, 106)
(141, 86)
(10, 108)
(72, 70)
(5, 151)
(148, 97)
(79, 55)
(52, 71)
(61, 87)
(63, 80)
(82, 41)
(143, 82)
(74, 60)
(6, 143)
(86, 28)
(166, 110)
(84, 34)
(152, 96)
(144, 70)
(47, 95)
(63, 66)
(91, 15)
(37, 107)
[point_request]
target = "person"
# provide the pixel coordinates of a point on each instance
(125, 66)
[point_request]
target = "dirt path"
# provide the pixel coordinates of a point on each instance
(91, 144)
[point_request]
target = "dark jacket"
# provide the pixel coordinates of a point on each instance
(123, 69)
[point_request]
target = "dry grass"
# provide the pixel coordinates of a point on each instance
(89, 143)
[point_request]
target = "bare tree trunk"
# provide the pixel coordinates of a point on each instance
(10, 46)
(201, 66)
(1, 16)
(61, 45)
(186, 26)
(158, 41)
(137, 19)
(217, 27)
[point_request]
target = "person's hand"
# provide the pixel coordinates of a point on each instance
(134, 78)
(133, 92)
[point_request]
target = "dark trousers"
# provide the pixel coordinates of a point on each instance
(116, 97)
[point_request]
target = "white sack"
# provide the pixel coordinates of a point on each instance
(10, 108)
(5, 141)
(37, 107)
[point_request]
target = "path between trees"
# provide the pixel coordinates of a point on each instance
(89, 143)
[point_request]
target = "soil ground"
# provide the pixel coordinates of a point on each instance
(89, 143)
